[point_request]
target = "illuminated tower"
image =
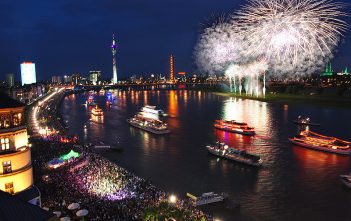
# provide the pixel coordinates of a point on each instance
(171, 68)
(114, 62)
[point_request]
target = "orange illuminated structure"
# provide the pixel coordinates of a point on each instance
(171, 68)
(96, 111)
(316, 141)
(234, 126)
(16, 172)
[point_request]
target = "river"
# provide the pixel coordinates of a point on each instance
(294, 183)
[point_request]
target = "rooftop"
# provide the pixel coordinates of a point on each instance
(8, 102)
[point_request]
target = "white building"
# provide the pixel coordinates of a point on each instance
(28, 74)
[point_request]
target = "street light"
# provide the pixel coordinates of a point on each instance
(172, 199)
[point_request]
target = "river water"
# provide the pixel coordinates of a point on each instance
(294, 183)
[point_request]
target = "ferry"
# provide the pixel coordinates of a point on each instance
(207, 198)
(90, 101)
(241, 156)
(235, 127)
(305, 121)
(152, 110)
(96, 111)
(346, 180)
(149, 124)
(319, 142)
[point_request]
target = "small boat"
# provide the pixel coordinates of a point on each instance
(305, 121)
(149, 124)
(96, 111)
(320, 142)
(90, 101)
(346, 180)
(207, 198)
(152, 110)
(235, 127)
(241, 156)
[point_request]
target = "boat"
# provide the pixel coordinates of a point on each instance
(320, 142)
(96, 111)
(305, 121)
(346, 180)
(235, 127)
(241, 156)
(152, 110)
(90, 101)
(207, 198)
(149, 124)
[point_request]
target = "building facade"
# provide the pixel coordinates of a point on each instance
(16, 172)
(10, 80)
(28, 74)
(56, 79)
(94, 76)
(171, 68)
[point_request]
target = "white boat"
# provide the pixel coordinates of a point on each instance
(207, 198)
(152, 110)
(148, 124)
(346, 180)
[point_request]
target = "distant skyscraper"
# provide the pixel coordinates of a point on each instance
(56, 79)
(114, 61)
(10, 80)
(171, 68)
(28, 75)
(94, 76)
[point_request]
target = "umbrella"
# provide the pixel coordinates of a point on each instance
(73, 206)
(82, 212)
(66, 218)
(57, 213)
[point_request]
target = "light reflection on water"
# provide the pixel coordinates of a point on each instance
(292, 180)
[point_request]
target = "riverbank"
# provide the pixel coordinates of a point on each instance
(318, 100)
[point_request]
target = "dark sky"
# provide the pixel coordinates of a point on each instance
(63, 37)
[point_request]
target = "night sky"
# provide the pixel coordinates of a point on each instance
(65, 37)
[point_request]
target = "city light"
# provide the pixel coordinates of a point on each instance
(28, 74)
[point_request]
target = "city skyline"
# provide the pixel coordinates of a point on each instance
(81, 35)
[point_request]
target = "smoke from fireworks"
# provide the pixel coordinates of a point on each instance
(296, 37)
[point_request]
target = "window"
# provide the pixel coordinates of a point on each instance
(17, 119)
(6, 166)
(5, 143)
(9, 188)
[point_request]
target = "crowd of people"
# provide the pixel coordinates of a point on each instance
(106, 190)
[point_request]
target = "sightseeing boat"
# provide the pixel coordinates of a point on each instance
(234, 126)
(90, 101)
(319, 142)
(96, 111)
(152, 110)
(346, 180)
(241, 156)
(149, 124)
(207, 198)
(304, 121)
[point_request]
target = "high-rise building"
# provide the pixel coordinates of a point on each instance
(94, 76)
(28, 75)
(67, 79)
(16, 173)
(114, 61)
(171, 68)
(10, 79)
(76, 78)
(56, 79)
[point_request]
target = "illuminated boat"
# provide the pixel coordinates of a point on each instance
(346, 180)
(207, 198)
(241, 156)
(319, 142)
(152, 110)
(304, 121)
(235, 127)
(90, 101)
(96, 111)
(149, 124)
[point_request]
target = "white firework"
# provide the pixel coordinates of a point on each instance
(296, 37)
